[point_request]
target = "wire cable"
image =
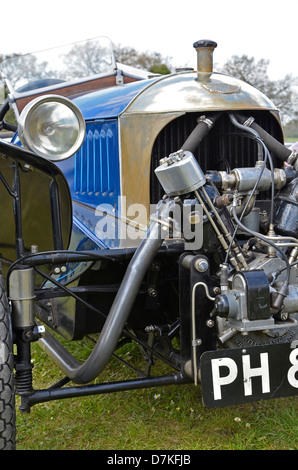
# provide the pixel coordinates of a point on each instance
(254, 135)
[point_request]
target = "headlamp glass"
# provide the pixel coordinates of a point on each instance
(52, 126)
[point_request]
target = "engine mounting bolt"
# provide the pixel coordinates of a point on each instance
(216, 290)
(152, 292)
(201, 265)
(197, 342)
(210, 323)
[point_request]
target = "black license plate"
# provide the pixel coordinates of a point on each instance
(234, 376)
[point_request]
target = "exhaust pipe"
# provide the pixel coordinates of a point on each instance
(120, 310)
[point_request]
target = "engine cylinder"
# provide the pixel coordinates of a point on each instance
(286, 210)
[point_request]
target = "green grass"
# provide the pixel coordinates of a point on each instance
(167, 418)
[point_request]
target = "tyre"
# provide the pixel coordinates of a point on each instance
(7, 392)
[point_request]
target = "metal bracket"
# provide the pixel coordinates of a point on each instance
(119, 78)
(196, 306)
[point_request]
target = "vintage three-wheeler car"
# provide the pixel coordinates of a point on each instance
(159, 210)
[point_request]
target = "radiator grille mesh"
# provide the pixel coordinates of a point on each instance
(225, 147)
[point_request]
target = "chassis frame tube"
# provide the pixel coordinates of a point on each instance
(41, 396)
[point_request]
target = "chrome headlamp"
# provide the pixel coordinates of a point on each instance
(52, 126)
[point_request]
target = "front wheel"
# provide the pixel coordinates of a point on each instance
(7, 392)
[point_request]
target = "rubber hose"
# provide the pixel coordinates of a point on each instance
(280, 150)
(199, 132)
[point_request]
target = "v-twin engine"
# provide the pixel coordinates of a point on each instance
(250, 245)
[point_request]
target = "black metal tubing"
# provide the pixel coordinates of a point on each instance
(17, 210)
(41, 396)
(54, 292)
(4, 108)
(56, 215)
(6, 185)
(63, 257)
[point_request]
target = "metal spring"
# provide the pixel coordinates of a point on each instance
(23, 381)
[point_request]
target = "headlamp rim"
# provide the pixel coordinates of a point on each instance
(25, 117)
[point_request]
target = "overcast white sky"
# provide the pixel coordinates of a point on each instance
(259, 28)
